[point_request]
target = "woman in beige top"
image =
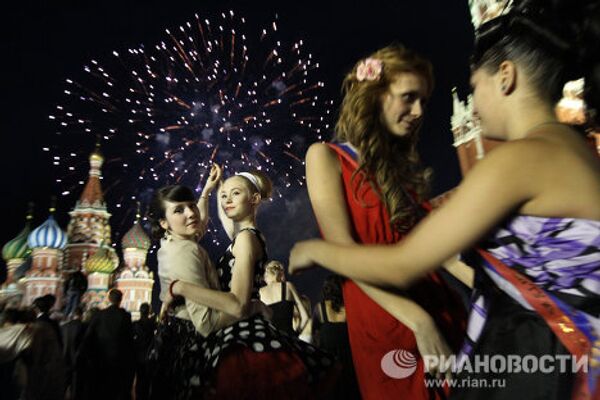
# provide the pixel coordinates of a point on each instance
(179, 221)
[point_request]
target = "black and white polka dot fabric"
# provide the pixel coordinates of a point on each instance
(226, 265)
(255, 332)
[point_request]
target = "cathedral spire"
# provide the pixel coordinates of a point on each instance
(92, 193)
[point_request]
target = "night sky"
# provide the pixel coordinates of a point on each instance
(45, 42)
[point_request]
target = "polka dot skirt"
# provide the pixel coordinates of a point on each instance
(260, 336)
(255, 332)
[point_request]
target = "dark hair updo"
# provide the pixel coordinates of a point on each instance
(174, 193)
(555, 41)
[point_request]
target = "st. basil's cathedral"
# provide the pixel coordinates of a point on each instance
(40, 261)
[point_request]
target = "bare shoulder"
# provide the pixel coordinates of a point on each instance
(533, 146)
(559, 141)
(246, 241)
(552, 152)
(550, 174)
(321, 154)
(511, 172)
(524, 156)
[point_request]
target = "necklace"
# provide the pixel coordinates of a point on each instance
(533, 128)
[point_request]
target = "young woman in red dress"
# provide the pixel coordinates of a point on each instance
(368, 187)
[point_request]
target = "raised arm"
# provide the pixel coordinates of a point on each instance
(304, 317)
(499, 185)
(211, 182)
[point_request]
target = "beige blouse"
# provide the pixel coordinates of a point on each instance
(187, 261)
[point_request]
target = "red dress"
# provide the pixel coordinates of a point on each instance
(373, 331)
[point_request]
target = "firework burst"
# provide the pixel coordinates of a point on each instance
(208, 92)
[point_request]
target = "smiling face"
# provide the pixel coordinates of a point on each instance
(402, 105)
(236, 199)
(182, 219)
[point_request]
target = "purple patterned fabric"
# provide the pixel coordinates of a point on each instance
(558, 254)
(561, 255)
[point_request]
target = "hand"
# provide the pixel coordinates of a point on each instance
(300, 256)
(213, 178)
(431, 343)
(165, 308)
(170, 302)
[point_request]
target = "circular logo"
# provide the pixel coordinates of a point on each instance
(399, 364)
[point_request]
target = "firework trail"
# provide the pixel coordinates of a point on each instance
(208, 92)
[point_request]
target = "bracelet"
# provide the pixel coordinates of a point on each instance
(171, 287)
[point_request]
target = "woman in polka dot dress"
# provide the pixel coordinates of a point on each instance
(251, 359)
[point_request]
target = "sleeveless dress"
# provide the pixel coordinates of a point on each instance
(333, 338)
(373, 331)
(252, 359)
(561, 256)
(283, 313)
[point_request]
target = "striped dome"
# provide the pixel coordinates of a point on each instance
(136, 238)
(101, 261)
(17, 248)
(48, 234)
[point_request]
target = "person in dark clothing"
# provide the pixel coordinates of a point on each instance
(72, 333)
(281, 297)
(331, 333)
(42, 306)
(15, 339)
(31, 361)
(143, 332)
(84, 368)
(107, 347)
(75, 287)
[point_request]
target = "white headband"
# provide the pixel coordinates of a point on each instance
(251, 178)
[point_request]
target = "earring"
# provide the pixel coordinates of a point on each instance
(167, 236)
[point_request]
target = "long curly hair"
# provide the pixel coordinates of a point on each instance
(390, 164)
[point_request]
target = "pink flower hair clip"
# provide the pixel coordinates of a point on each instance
(369, 69)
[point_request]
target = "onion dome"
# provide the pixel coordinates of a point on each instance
(136, 237)
(48, 234)
(17, 247)
(101, 261)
